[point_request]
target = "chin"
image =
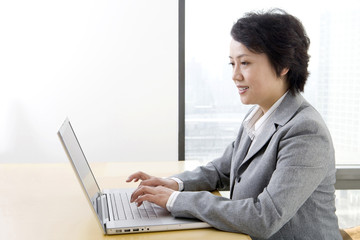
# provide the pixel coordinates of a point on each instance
(245, 101)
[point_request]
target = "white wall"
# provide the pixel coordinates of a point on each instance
(110, 66)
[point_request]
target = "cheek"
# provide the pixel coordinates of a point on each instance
(260, 80)
(254, 81)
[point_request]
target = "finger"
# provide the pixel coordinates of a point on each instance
(134, 195)
(165, 182)
(142, 190)
(134, 176)
(146, 197)
(160, 197)
(153, 182)
(132, 179)
(137, 176)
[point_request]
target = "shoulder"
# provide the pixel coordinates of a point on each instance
(307, 132)
(305, 129)
(307, 119)
(297, 114)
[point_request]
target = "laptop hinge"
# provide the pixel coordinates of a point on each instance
(102, 209)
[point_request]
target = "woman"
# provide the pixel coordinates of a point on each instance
(281, 168)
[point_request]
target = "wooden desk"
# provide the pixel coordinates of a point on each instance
(45, 201)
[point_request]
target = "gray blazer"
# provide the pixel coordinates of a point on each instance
(283, 188)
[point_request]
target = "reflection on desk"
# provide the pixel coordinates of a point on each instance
(45, 201)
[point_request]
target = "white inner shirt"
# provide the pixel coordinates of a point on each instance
(256, 120)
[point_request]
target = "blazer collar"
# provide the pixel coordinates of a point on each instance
(280, 117)
(288, 108)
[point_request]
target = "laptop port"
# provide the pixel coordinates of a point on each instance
(136, 229)
(127, 230)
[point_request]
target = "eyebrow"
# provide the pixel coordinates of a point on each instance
(241, 55)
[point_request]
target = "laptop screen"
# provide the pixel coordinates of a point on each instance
(78, 159)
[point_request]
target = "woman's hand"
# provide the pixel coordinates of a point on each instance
(158, 195)
(152, 189)
(148, 180)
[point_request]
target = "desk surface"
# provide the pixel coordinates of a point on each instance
(45, 201)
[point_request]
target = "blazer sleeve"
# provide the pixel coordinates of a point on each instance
(304, 154)
(215, 175)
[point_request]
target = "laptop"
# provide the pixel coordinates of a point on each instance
(112, 208)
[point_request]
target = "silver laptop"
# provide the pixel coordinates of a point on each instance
(112, 208)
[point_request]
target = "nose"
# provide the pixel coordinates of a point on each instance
(237, 75)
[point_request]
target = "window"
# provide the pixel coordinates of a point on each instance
(213, 111)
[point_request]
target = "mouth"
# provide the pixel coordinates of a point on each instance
(242, 89)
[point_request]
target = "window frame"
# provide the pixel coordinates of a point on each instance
(181, 82)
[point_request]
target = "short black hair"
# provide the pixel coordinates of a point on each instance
(282, 38)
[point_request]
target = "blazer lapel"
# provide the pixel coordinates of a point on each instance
(241, 151)
(280, 117)
(266, 134)
(243, 148)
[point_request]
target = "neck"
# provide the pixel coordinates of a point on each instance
(270, 103)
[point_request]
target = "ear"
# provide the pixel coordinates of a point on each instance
(284, 72)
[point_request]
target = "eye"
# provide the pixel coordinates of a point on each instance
(244, 63)
(232, 64)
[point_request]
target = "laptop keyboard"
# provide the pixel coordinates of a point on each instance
(123, 209)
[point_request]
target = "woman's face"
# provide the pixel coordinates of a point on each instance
(255, 78)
